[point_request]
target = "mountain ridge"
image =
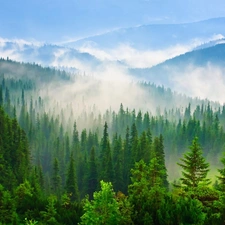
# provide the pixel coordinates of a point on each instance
(214, 26)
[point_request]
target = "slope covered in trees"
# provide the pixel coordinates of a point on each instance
(164, 72)
(59, 156)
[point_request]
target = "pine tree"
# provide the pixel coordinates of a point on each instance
(7, 101)
(146, 191)
(7, 207)
(92, 177)
(134, 142)
(194, 166)
(56, 179)
(221, 177)
(143, 150)
(50, 213)
(1, 96)
(71, 181)
(139, 122)
(75, 141)
(107, 172)
(127, 160)
(158, 149)
(117, 162)
(103, 209)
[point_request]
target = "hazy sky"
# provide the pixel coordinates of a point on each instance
(57, 20)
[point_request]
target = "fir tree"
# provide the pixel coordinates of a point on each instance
(117, 161)
(56, 179)
(158, 148)
(107, 172)
(221, 176)
(1, 96)
(92, 177)
(194, 166)
(103, 209)
(71, 181)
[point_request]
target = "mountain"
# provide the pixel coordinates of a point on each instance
(157, 36)
(196, 73)
(210, 44)
(48, 55)
(138, 47)
(82, 18)
(32, 72)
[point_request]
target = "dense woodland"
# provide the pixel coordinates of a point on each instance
(160, 166)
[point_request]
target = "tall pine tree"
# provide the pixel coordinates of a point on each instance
(195, 168)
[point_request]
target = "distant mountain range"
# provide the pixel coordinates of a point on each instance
(48, 55)
(157, 36)
(200, 58)
(199, 73)
(209, 48)
(211, 44)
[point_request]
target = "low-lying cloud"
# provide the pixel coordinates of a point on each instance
(135, 58)
(203, 82)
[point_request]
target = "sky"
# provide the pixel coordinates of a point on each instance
(56, 20)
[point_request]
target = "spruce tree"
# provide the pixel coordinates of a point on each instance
(92, 176)
(1, 96)
(75, 141)
(103, 209)
(71, 181)
(221, 176)
(117, 162)
(56, 179)
(195, 168)
(134, 142)
(158, 149)
(107, 172)
(127, 160)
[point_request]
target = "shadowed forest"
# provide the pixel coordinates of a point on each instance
(66, 157)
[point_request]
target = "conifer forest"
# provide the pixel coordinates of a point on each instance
(67, 157)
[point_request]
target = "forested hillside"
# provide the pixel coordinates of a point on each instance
(163, 73)
(68, 160)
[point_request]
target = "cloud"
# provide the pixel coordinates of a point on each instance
(106, 88)
(125, 53)
(13, 48)
(203, 82)
(196, 82)
(135, 58)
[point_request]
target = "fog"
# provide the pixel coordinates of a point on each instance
(203, 82)
(94, 90)
(135, 58)
(108, 83)
(104, 89)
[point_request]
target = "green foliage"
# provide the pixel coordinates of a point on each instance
(103, 209)
(50, 213)
(189, 211)
(125, 209)
(146, 192)
(14, 153)
(92, 177)
(71, 182)
(8, 214)
(68, 212)
(60, 149)
(56, 179)
(221, 176)
(107, 172)
(24, 197)
(30, 222)
(194, 167)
